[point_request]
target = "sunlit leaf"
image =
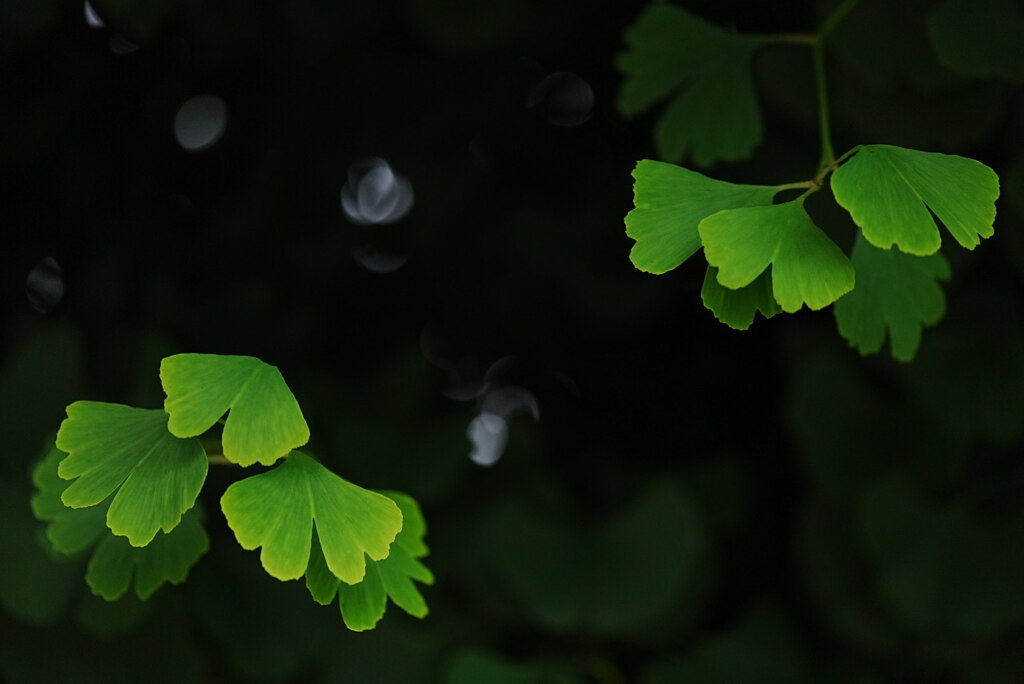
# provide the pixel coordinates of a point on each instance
(363, 604)
(896, 293)
(670, 201)
(807, 267)
(736, 308)
(713, 113)
(979, 37)
(892, 192)
(111, 447)
(265, 422)
(276, 510)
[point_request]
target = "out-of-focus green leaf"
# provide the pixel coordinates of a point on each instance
(35, 587)
(979, 37)
(892, 192)
(473, 667)
(276, 510)
(670, 202)
(943, 567)
(713, 113)
(807, 267)
(608, 579)
(761, 648)
(111, 447)
(265, 422)
(896, 293)
(363, 604)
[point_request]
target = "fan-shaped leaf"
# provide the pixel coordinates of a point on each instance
(265, 421)
(363, 604)
(670, 202)
(714, 114)
(807, 267)
(276, 510)
(129, 450)
(896, 292)
(889, 191)
(736, 308)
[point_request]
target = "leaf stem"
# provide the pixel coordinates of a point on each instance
(218, 459)
(827, 153)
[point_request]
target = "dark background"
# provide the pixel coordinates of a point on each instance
(693, 503)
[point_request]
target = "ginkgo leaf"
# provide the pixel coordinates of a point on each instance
(70, 530)
(112, 447)
(363, 604)
(895, 292)
(892, 192)
(670, 201)
(168, 558)
(714, 114)
(114, 562)
(979, 37)
(807, 267)
(736, 308)
(276, 511)
(265, 422)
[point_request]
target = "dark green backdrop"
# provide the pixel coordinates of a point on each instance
(693, 504)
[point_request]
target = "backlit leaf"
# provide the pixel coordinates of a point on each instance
(265, 421)
(670, 201)
(363, 604)
(111, 447)
(807, 267)
(896, 293)
(892, 192)
(713, 114)
(736, 308)
(276, 510)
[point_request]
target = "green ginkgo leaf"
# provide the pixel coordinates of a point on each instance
(114, 562)
(713, 114)
(736, 308)
(276, 511)
(70, 530)
(168, 558)
(363, 604)
(265, 421)
(807, 267)
(670, 201)
(895, 292)
(112, 447)
(892, 192)
(979, 37)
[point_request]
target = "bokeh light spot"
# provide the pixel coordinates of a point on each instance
(374, 194)
(44, 286)
(200, 122)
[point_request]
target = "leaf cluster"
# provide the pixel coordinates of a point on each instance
(766, 254)
(125, 482)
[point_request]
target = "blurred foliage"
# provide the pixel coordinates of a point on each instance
(693, 503)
